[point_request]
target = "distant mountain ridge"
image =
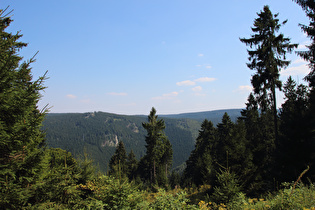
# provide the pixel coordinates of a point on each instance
(214, 116)
(98, 133)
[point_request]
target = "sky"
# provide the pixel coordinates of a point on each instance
(127, 56)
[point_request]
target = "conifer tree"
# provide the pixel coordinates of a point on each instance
(261, 146)
(309, 7)
(223, 148)
(59, 180)
(21, 142)
(267, 56)
(200, 164)
(295, 148)
(117, 163)
(232, 149)
(132, 165)
(159, 155)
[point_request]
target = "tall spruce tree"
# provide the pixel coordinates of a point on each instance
(132, 165)
(233, 149)
(260, 145)
(267, 56)
(200, 164)
(21, 138)
(159, 155)
(117, 163)
(309, 7)
(224, 144)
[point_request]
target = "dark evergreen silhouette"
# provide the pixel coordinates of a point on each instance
(267, 56)
(309, 7)
(200, 169)
(132, 166)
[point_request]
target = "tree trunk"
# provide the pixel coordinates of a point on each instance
(154, 169)
(166, 170)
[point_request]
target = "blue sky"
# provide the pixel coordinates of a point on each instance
(126, 56)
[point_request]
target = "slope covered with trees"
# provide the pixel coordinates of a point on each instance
(98, 133)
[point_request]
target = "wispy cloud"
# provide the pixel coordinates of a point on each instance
(205, 79)
(296, 70)
(186, 83)
(303, 46)
(71, 96)
(244, 88)
(300, 67)
(197, 88)
(200, 55)
(117, 94)
(198, 91)
(191, 83)
(207, 66)
(166, 96)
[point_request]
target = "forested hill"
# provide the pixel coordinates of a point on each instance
(97, 134)
(214, 116)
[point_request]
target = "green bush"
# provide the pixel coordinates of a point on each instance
(165, 200)
(300, 197)
(227, 187)
(110, 193)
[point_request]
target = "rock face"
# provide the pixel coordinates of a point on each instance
(111, 141)
(133, 127)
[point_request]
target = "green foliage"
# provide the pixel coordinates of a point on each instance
(158, 159)
(227, 187)
(95, 133)
(268, 56)
(261, 147)
(175, 179)
(309, 7)
(59, 180)
(117, 163)
(232, 148)
(214, 116)
(301, 197)
(224, 145)
(200, 163)
(295, 147)
(33, 177)
(132, 166)
(21, 142)
(165, 200)
(111, 193)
